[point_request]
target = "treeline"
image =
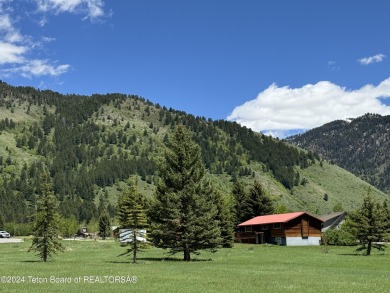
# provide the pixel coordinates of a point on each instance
(277, 156)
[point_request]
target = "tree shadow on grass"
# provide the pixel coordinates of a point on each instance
(173, 259)
(32, 261)
(156, 259)
(362, 254)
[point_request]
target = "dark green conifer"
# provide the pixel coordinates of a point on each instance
(368, 224)
(259, 203)
(104, 225)
(46, 226)
(132, 215)
(241, 202)
(184, 216)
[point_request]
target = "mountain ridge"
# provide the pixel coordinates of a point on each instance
(92, 145)
(359, 145)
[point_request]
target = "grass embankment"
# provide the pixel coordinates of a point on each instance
(244, 268)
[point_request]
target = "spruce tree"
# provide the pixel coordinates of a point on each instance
(386, 211)
(132, 215)
(104, 224)
(225, 213)
(259, 203)
(46, 226)
(104, 218)
(241, 202)
(184, 215)
(368, 224)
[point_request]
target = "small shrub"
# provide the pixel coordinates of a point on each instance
(326, 197)
(339, 237)
(18, 229)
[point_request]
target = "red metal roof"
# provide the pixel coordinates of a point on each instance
(270, 219)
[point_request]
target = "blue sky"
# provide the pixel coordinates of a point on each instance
(273, 66)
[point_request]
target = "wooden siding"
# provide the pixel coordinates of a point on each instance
(303, 227)
(293, 228)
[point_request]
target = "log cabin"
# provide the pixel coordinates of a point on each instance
(292, 229)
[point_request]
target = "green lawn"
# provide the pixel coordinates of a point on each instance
(245, 268)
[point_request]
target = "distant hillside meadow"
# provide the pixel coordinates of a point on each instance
(92, 145)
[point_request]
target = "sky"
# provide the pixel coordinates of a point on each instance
(278, 66)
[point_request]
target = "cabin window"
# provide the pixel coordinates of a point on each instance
(264, 227)
(277, 226)
(278, 240)
(248, 228)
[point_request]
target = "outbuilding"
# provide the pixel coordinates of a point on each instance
(333, 221)
(292, 229)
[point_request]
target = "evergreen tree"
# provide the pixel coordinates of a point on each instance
(46, 226)
(104, 225)
(225, 213)
(386, 210)
(132, 215)
(241, 202)
(259, 203)
(368, 224)
(104, 217)
(103, 202)
(184, 217)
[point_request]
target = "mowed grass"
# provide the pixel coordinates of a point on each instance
(244, 268)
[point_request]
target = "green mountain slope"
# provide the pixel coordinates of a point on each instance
(92, 145)
(360, 145)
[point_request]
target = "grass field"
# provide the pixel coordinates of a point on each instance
(244, 268)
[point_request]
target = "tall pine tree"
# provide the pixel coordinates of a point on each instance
(259, 203)
(225, 213)
(132, 215)
(184, 215)
(368, 224)
(241, 202)
(46, 226)
(104, 224)
(386, 210)
(104, 218)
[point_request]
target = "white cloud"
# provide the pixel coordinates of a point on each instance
(8, 31)
(16, 50)
(37, 68)
(284, 108)
(92, 8)
(10, 53)
(373, 59)
(12, 49)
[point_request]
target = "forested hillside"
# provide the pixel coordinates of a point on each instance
(92, 145)
(359, 145)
